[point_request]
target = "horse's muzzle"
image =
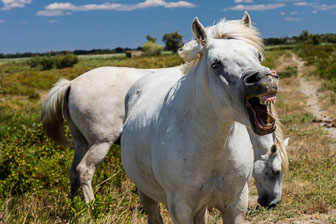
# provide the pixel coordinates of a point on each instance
(260, 89)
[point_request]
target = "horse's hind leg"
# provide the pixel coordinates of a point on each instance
(87, 166)
(152, 209)
(81, 146)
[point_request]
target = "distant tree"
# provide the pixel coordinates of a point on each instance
(150, 38)
(173, 41)
(315, 39)
(304, 36)
(119, 50)
(152, 48)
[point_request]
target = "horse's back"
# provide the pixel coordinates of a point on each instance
(96, 101)
(149, 92)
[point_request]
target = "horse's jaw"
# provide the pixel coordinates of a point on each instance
(260, 91)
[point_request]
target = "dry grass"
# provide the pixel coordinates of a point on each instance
(308, 190)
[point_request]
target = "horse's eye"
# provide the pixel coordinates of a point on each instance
(275, 172)
(216, 64)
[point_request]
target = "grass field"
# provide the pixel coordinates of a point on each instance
(34, 185)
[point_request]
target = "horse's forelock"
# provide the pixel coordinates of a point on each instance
(235, 29)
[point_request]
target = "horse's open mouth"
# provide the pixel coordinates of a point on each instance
(260, 112)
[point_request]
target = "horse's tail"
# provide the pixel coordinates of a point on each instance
(52, 112)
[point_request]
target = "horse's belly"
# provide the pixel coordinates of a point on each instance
(137, 162)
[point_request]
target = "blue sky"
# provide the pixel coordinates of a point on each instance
(44, 25)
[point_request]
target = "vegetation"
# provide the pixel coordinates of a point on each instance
(305, 36)
(59, 61)
(34, 185)
(323, 59)
(173, 41)
(151, 48)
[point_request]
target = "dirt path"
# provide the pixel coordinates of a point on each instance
(310, 91)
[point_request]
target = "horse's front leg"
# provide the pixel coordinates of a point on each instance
(152, 208)
(234, 214)
(179, 210)
(201, 216)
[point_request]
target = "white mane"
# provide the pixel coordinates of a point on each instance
(235, 29)
(279, 136)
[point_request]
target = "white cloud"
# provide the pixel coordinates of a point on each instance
(314, 11)
(293, 19)
(300, 3)
(282, 13)
(2, 21)
(50, 13)
(287, 0)
(11, 4)
(53, 21)
(324, 7)
(242, 1)
(294, 13)
(260, 7)
(67, 6)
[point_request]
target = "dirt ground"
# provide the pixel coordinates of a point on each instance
(310, 90)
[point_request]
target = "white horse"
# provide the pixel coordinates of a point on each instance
(182, 143)
(95, 118)
(93, 106)
(270, 165)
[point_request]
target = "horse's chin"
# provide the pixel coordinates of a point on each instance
(260, 113)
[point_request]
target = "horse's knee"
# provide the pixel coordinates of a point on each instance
(85, 173)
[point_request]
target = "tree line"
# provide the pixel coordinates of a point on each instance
(304, 38)
(173, 41)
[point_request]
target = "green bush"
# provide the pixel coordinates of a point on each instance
(151, 48)
(66, 61)
(48, 62)
(34, 61)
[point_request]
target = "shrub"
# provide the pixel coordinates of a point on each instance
(151, 48)
(66, 61)
(47, 62)
(34, 61)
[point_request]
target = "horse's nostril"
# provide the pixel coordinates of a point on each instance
(253, 78)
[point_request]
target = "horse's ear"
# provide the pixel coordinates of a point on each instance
(199, 32)
(247, 19)
(286, 142)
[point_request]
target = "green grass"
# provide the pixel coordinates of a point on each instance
(20, 79)
(34, 184)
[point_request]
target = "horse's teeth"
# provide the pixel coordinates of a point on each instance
(262, 102)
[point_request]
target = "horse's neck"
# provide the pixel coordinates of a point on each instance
(261, 144)
(193, 101)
